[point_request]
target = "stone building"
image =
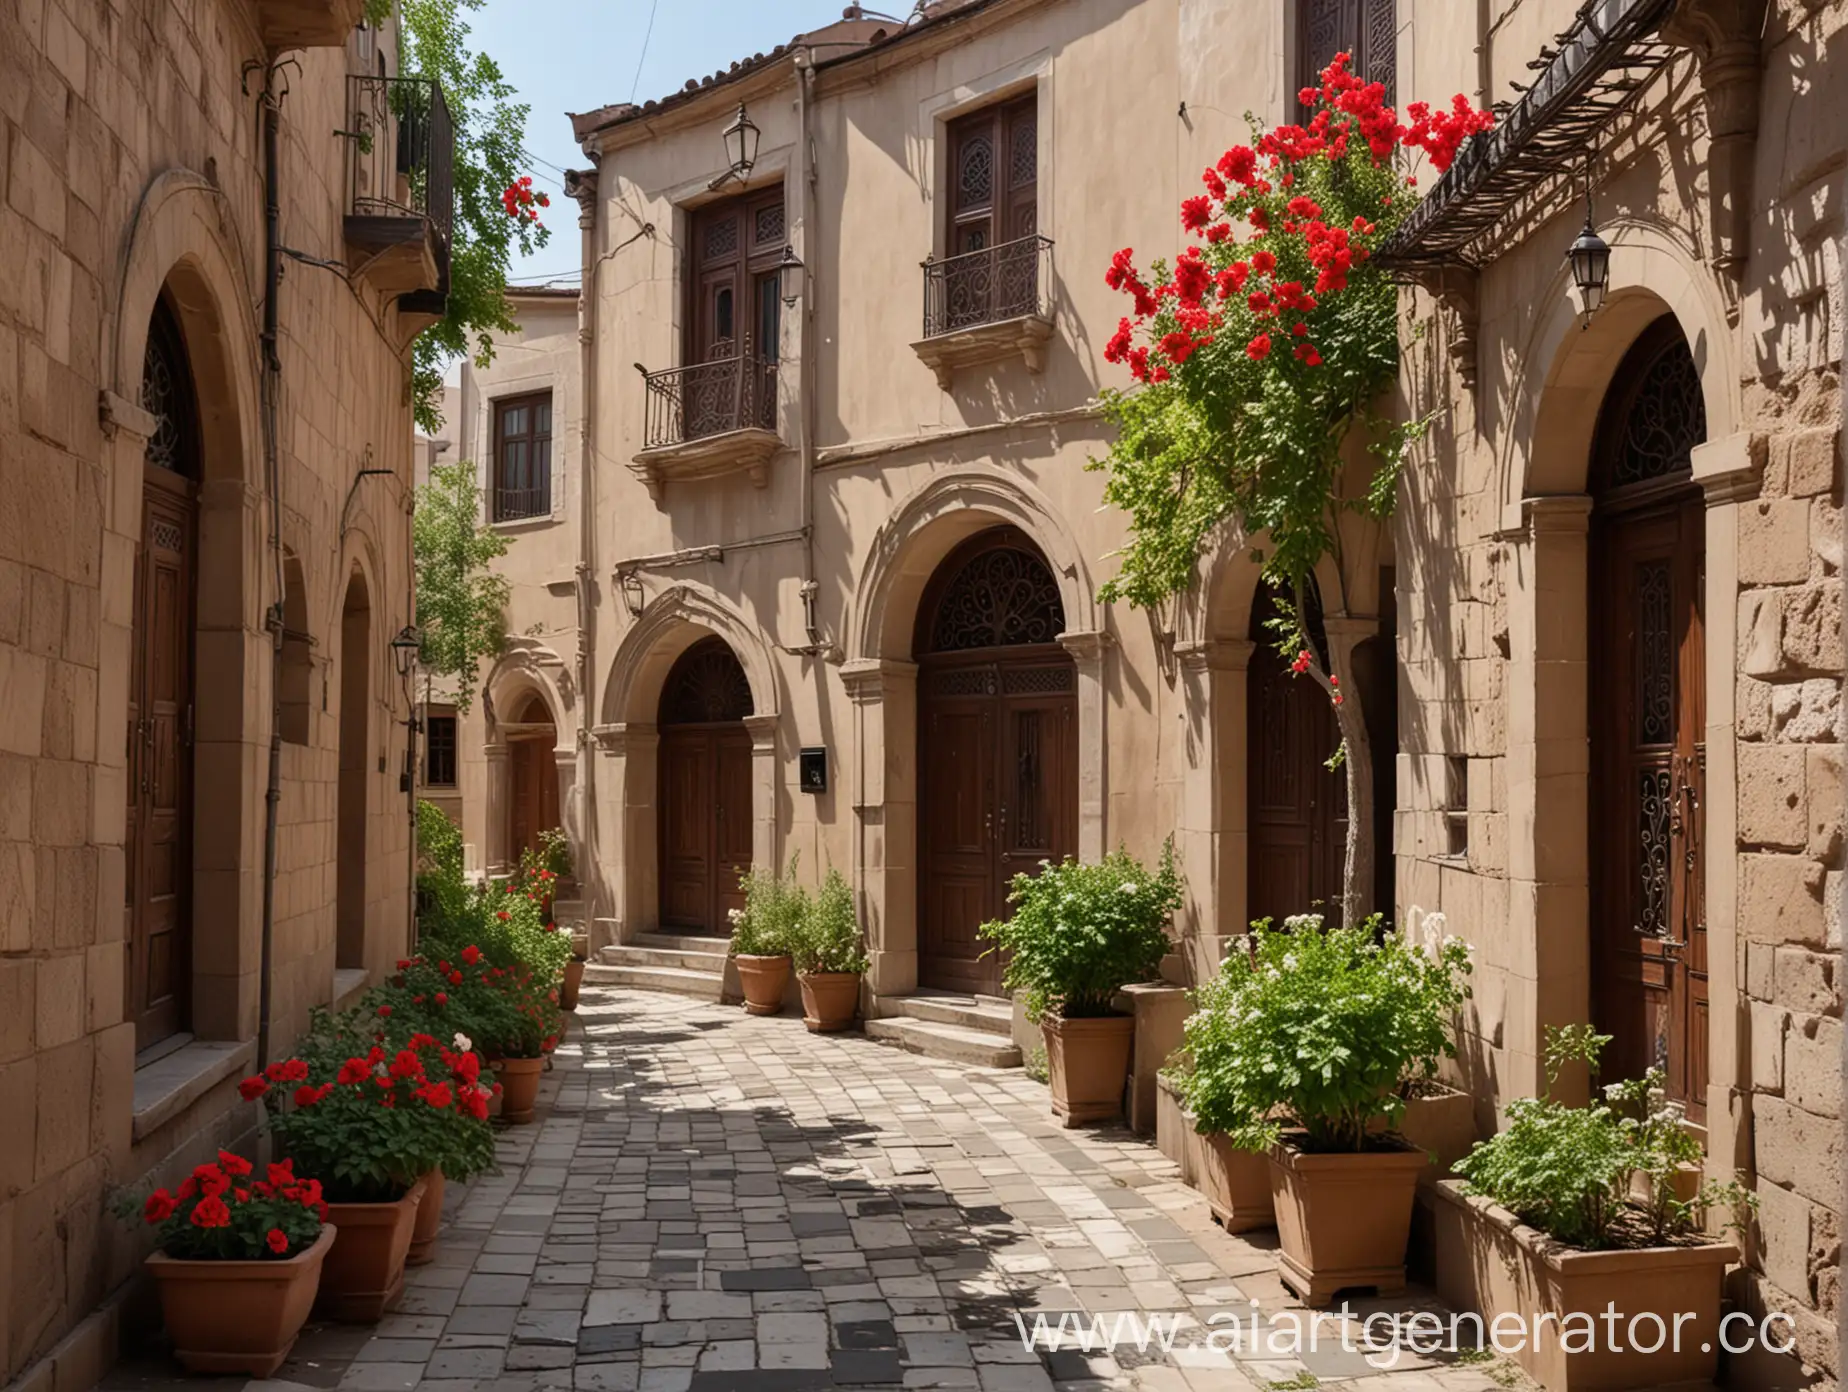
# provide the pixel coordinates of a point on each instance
(843, 316)
(1620, 575)
(204, 543)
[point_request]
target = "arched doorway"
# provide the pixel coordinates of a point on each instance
(355, 743)
(532, 807)
(160, 701)
(1648, 712)
(1296, 806)
(705, 829)
(997, 746)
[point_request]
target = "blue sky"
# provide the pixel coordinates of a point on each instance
(575, 55)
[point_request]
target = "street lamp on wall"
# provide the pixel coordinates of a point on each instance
(741, 138)
(1590, 259)
(792, 272)
(404, 652)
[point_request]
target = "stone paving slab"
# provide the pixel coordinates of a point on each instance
(713, 1202)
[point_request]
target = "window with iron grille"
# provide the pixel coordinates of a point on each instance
(1365, 30)
(439, 751)
(523, 457)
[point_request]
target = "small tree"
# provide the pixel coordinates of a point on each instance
(460, 599)
(1260, 362)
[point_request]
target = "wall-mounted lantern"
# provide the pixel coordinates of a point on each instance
(793, 272)
(1590, 259)
(741, 138)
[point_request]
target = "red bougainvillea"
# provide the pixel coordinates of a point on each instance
(521, 203)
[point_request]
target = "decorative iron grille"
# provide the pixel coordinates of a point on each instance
(988, 285)
(735, 392)
(403, 151)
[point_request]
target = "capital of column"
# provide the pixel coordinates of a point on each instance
(1215, 654)
(1559, 513)
(1087, 646)
(624, 737)
(866, 679)
(762, 729)
(1731, 469)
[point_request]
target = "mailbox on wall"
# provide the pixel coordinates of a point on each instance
(813, 770)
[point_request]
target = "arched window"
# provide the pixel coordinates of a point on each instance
(706, 686)
(167, 395)
(1002, 596)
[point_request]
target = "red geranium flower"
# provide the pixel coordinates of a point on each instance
(211, 1213)
(1259, 348)
(471, 955)
(252, 1088)
(278, 1241)
(159, 1207)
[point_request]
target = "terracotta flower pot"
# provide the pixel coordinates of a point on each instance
(364, 1274)
(830, 1000)
(238, 1316)
(1087, 1064)
(763, 981)
(519, 1080)
(1236, 1184)
(1343, 1220)
(568, 988)
(1490, 1262)
(429, 1221)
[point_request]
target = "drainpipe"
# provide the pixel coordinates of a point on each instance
(582, 185)
(804, 61)
(271, 380)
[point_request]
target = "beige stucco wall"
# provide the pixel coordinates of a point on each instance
(1492, 604)
(129, 158)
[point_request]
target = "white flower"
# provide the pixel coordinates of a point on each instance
(1128, 887)
(463, 1043)
(1289, 960)
(734, 914)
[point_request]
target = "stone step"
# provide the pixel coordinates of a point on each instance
(989, 1014)
(953, 1043)
(644, 953)
(683, 942)
(707, 986)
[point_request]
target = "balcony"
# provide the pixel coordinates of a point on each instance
(401, 190)
(987, 306)
(710, 419)
(307, 23)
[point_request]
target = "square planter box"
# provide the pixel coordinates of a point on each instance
(1343, 1220)
(1236, 1183)
(1490, 1262)
(1442, 1123)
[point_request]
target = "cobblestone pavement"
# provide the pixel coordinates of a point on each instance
(711, 1202)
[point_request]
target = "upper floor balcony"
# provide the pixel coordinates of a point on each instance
(710, 418)
(307, 23)
(987, 305)
(401, 189)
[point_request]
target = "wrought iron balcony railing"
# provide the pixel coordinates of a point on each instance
(733, 392)
(401, 162)
(519, 504)
(997, 283)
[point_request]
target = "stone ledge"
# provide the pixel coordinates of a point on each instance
(1024, 338)
(169, 1085)
(348, 983)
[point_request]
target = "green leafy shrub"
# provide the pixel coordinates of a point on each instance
(1569, 1171)
(555, 852)
(1080, 933)
(827, 936)
(442, 888)
(771, 919)
(1318, 1029)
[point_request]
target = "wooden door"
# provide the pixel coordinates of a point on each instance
(1648, 755)
(159, 832)
(733, 314)
(704, 825)
(533, 807)
(997, 749)
(993, 172)
(1296, 806)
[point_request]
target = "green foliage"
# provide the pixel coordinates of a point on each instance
(1319, 1029)
(827, 935)
(461, 601)
(1572, 1171)
(1080, 933)
(771, 919)
(442, 891)
(555, 852)
(490, 129)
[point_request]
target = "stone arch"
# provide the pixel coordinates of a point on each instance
(179, 248)
(1568, 363)
(928, 525)
(674, 621)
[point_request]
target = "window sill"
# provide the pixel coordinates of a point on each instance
(1024, 338)
(527, 524)
(747, 451)
(349, 982)
(173, 1082)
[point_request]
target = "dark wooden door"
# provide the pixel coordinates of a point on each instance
(159, 839)
(1296, 806)
(704, 818)
(994, 203)
(1365, 30)
(733, 314)
(534, 804)
(705, 825)
(1648, 780)
(997, 749)
(1648, 716)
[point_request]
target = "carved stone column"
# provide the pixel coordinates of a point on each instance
(1725, 36)
(495, 859)
(884, 794)
(1088, 652)
(1211, 837)
(764, 848)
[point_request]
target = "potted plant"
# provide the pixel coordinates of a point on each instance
(368, 1128)
(1306, 1039)
(1236, 1182)
(574, 977)
(237, 1261)
(1572, 1212)
(829, 957)
(1079, 934)
(762, 933)
(530, 1032)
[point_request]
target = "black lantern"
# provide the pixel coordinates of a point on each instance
(791, 269)
(1590, 258)
(741, 144)
(404, 649)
